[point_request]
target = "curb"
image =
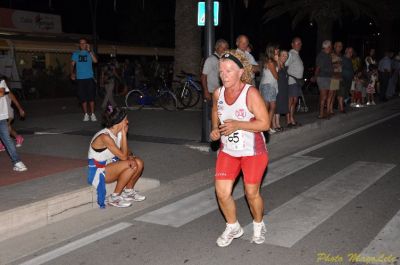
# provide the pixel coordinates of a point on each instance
(22, 219)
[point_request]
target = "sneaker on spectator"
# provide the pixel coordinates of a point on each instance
(2, 147)
(19, 166)
(19, 140)
(259, 232)
(271, 131)
(373, 103)
(86, 117)
(132, 195)
(93, 117)
(118, 201)
(368, 103)
(231, 232)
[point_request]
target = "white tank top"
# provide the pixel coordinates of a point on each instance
(105, 155)
(268, 78)
(240, 143)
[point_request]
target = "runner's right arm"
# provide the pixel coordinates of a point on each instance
(215, 134)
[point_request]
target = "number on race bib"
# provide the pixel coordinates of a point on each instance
(235, 141)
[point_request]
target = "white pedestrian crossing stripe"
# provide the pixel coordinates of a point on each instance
(296, 218)
(204, 202)
(385, 247)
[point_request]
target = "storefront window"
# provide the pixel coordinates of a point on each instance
(39, 61)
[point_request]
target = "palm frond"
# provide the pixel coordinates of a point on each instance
(299, 16)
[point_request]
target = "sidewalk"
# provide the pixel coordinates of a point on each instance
(55, 151)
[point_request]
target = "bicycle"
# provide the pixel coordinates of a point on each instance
(190, 92)
(136, 99)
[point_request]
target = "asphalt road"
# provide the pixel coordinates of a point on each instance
(331, 204)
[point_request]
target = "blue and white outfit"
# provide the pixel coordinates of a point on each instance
(97, 165)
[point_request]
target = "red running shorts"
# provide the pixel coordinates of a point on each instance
(253, 167)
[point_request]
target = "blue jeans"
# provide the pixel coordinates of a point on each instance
(8, 142)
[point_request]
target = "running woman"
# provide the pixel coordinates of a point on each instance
(239, 117)
(110, 160)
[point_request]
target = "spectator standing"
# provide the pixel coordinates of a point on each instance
(127, 76)
(282, 98)
(336, 77)
(384, 69)
(295, 70)
(347, 77)
(269, 82)
(108, 78)
(370, 59)
(357, 65)
(210, 73)
(372, 80)
(242, 43)
(82, 72)
(337, 81)
(18, 165)
(323, 74)
(391, 91)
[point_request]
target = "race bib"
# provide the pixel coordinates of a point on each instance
(235, 141)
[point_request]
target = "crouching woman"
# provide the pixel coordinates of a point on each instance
(111, 160)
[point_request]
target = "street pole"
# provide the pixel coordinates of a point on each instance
(209, 44)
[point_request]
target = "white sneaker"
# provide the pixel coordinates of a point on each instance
(132, 195)
(369, 103)
(373, 103)
(86, 117)
(118, 201)
(231, 231)
(93, 117)
(271, 131)
(19, 166)
(259, 232)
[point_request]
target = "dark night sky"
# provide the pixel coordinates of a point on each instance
(151, 22)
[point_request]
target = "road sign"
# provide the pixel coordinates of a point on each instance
(201, 13)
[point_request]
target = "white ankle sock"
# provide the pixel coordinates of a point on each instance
(260, 223)
(234, 225)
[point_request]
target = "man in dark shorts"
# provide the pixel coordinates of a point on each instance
(82, 72)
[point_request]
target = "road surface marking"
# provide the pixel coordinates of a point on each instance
(293, 220)
(342, 136)
(76, 244)
(386, 243)
(192, 207)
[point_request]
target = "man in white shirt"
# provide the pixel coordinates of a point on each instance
(242, 43)
(4, 132)
(210, 74)
(295, 70)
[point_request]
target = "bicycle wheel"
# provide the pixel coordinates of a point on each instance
(185, 95)
(134, 100)
(189, 96)
(167, 101)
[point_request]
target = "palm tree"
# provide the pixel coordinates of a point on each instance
(187, 37)
(323, 12)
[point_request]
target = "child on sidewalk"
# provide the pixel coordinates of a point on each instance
(358, 90)
(373, 77)
(4, 132)
(10, 98)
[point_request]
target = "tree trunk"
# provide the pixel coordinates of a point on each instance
(187, 38)
(324, 31)
(387, 38)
